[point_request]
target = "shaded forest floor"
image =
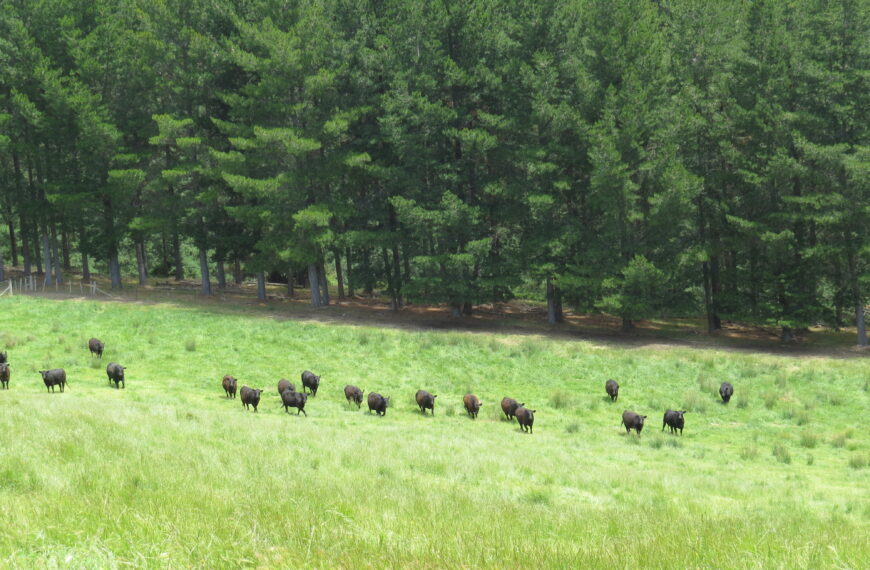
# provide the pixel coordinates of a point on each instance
(514, 317)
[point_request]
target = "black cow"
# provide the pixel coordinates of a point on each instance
(726, 390)
(284, 385)
(96, 346)
(3, 358)
(54, 377)
(353, 394)
(230, 384)
(472, 405)
(674, 420)
(115, 372)
(378, 403)
(509, 406)
(310, 381)
(612, 389)
(632, 421)
(526, 418)
(250, 396)
(4, 375)
(426, 401)
(291, 399)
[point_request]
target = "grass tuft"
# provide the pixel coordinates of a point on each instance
(780, 451)
(809, 439)
(695, 401)
(561, 399)
(858, 461)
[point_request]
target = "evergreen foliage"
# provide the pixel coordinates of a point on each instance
(635, 157)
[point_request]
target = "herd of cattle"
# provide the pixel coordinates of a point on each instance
(290, 398)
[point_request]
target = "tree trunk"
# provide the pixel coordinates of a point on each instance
(203, 270)
(708, 297)
(338, 276)
(13, 245)
(221, 275)
(25, 247)
(554, 304)
(467, 309)
(2, 267)
(48, 279)
(86, 269)
(715, 292)
(141, 266)
(324, 284)
(64, 240)
(314, 284)
(115, 269)
(397, 278)
(176, 252)
(164, 252)
(347, 269)
(58, 276)
(261, 285)
(291, 291)
(627, 325)
(456, 310)
(861, 324)
(237, 271)
(391, 287)
(406, 260)
(36, 250)
(367, 268)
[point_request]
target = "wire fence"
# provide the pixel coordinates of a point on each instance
(184, 293)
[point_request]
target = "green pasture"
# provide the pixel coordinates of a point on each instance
(169, 473)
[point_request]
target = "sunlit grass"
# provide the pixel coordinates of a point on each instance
(169, 473)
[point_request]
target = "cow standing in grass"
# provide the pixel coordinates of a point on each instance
(230, 384)
(353, 394)
(526, 418)
(426, 401)
(310, 381)
(291, 399)
(250, 397)
(54, 377)
(726, 390)
(632, 421)
(509, 407)
(378, 403)
(4, 375)
(472, 405)
(96, 346)
(612, 389)
(674, 420)
(284, 385)
(115, 372)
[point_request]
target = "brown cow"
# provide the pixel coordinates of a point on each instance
(230, 385)
(96, 346)
(426, 401)
(472, 405)
(250, 396)
(632, 421)
(353, 394)
(526, 418)
(284, 385)
(509, 406)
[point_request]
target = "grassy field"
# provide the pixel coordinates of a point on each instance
(169, 473)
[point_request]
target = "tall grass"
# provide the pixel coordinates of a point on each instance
(169, 473)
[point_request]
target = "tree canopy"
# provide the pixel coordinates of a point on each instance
(636, 158)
